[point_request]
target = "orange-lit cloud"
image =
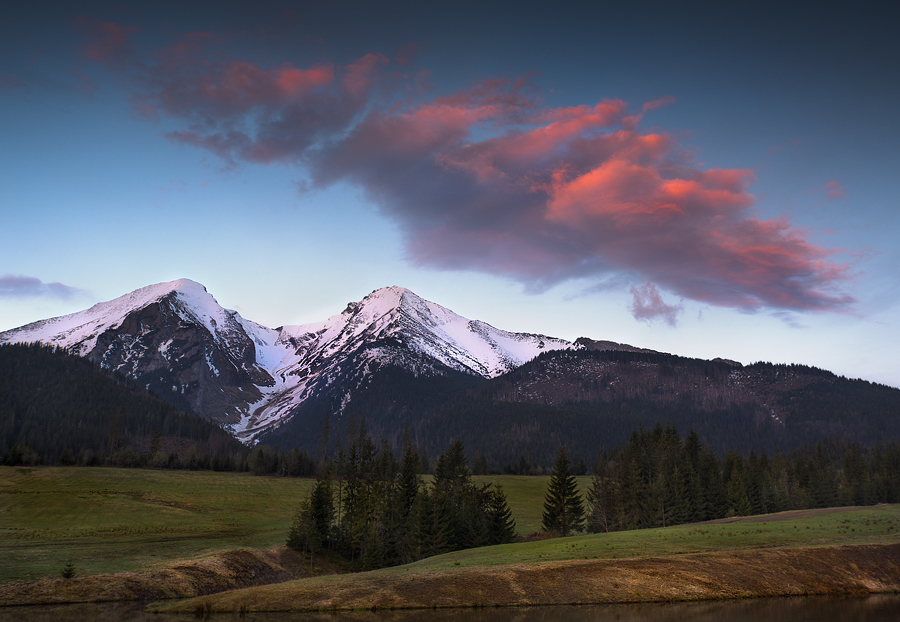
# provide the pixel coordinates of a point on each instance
(487, 179)
(834, 190)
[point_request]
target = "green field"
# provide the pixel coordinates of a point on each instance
(875, 525)
(111, 520)
(525, 496)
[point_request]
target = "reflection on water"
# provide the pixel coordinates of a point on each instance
(106, 612)
(879, 608)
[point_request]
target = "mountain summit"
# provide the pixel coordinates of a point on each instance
(410, 368)
(172, 338)
(175, 339)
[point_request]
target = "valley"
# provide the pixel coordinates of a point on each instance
(169, 530)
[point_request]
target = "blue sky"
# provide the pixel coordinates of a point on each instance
(697, 179)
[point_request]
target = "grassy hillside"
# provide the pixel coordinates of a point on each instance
(852, 551)
(107, 520)
(846, 526)
(111, 520)
(748, 573)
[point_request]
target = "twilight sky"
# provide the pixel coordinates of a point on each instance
(697, 178)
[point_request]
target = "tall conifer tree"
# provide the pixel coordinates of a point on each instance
(563, 505)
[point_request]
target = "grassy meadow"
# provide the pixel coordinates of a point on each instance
(107, 520)
(875, 525)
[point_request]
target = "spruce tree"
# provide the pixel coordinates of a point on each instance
(563, 505)
(502, 524)
(601, 498)
(738, 503)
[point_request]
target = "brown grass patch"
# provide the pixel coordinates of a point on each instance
(225, 571)
(856, 570)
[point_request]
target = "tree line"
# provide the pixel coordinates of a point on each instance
(587, 400)
(659, 479)
(375, 510)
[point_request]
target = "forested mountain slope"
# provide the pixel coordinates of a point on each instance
(589, 400)
(56, 407)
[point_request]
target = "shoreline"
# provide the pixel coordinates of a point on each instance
(804, 571)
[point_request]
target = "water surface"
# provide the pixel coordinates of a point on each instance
(879, 608)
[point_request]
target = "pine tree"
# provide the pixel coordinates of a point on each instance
(453, 483)
(563, 505)
(410, 482)
(739, 504)
(311, 528)
(502, 524)
(601, 497)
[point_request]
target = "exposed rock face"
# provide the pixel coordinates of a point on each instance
(175, 339)
(172, 338)
(592, 344)
(180, 359)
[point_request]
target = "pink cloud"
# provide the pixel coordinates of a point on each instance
(407, 53)
(658, 103)
(20, 286)
(107, 42)
(832, 190)
(647, 305)
(631, 122)
(487, 179)
(239, 110)
(359, 76)
(565, 195)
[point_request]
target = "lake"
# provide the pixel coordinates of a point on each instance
(799, 609)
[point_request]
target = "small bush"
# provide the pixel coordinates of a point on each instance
(69, 571)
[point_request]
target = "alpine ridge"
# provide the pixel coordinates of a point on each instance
(175, 339)
(407, 367)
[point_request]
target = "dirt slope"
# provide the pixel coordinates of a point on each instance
(800, 571)
(227, 571)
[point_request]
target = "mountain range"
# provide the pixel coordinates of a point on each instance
(405, 365)
(176, 340)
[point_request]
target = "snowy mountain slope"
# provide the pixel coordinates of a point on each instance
(174, 339)
(177, 340)
(390, 326)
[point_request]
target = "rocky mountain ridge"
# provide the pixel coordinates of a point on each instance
(175, 339)
(404, 365)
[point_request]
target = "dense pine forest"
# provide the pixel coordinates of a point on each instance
(592, 400)
(659, 479)
(376, 511)
(61, 409)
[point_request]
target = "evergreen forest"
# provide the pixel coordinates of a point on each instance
(61, 409)
(376, 511)
(592, 400)
(659, 479)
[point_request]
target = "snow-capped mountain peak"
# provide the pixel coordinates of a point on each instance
(78, 332)
(176, 339)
